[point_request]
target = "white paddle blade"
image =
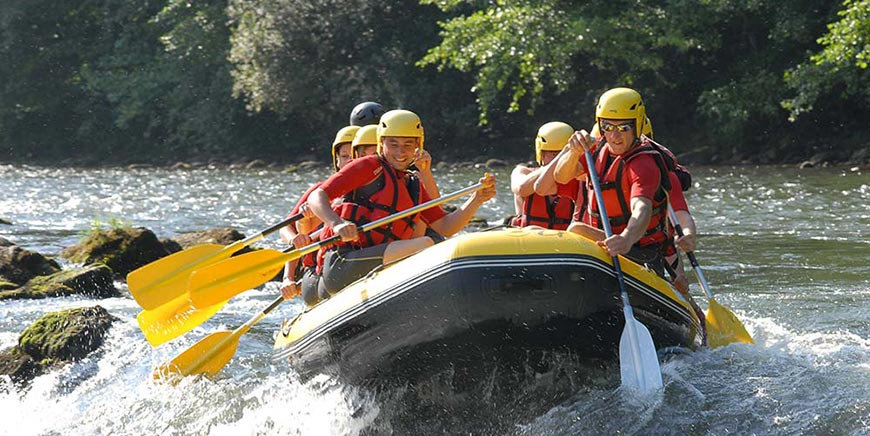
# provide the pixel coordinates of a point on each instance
(638, 361)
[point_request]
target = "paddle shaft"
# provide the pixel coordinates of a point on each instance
(155, 284)
(293, 253)
(253, 238)
(692, 259)
(626, 305)
(218, 349)
(394, 217)
(224, 280)
(638, 363)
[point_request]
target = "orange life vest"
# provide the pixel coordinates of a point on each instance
(386, 194)
(616, 192)
(548, 211)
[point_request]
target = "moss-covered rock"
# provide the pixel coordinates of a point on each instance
(93, 280)
(5, 222)
(6, 285)
(18, 265)
(121, 249)
(67, 335)
(55, 339)
(17, 365)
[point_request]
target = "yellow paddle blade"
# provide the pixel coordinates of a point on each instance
(723, 327)
(224, 280)
(208, 356)
(163, 280)
(173, 319)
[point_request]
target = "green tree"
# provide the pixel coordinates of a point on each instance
(313, 60)
(840, 69)
(714, 65)
(45, 105)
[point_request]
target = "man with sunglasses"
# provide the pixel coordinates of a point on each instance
(631, 179)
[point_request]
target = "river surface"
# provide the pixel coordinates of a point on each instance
(787, 250)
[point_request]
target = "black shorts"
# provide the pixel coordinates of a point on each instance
(310, 284)
(651, 256)
(344, 265)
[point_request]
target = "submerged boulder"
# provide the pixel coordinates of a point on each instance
(94, 280)
(18, 265)
(121, 249)
(55, 339)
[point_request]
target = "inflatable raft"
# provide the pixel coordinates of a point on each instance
(493, 296)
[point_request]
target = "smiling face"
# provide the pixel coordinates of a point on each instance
(619, 133)
(399, 151)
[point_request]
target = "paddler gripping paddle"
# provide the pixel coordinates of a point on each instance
(723, 326)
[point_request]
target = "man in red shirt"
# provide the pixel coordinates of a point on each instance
(377, 186)
(630, 178)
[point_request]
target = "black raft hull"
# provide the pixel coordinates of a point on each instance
(513, 297)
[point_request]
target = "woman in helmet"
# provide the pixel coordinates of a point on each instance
(373, 187)
(542, 202)
(296, 234)
(633, 182)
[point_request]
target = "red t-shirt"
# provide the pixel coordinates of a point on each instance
(362, 171)
(675, 195)
(568, 190)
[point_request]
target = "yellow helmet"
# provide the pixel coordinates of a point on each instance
(344, 136)
(402, 123)
(366, 135)
(552, 137)
(622, 104)
(647, 129)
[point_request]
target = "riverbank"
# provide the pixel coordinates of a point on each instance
(859, 160)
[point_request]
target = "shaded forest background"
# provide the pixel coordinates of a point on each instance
(87, 82)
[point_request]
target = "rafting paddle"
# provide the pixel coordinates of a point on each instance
(177, 317)
(211, 353)
(638, 363)
(723, 326)
(165, 279)
(219, 282)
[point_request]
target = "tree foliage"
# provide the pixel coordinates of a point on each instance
(840, 68)
(732, 80)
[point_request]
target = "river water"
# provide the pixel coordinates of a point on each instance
(787, 250)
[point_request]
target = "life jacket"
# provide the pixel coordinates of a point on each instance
(685, 178)
(384, 195)
(548, 211)
(616, 191)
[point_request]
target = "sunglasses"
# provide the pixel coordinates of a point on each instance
(621, 128)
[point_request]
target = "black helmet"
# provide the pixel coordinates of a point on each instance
(365, 113)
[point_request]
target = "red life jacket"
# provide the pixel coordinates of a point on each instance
(548, 211)
(382, 196)
(616, 191)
